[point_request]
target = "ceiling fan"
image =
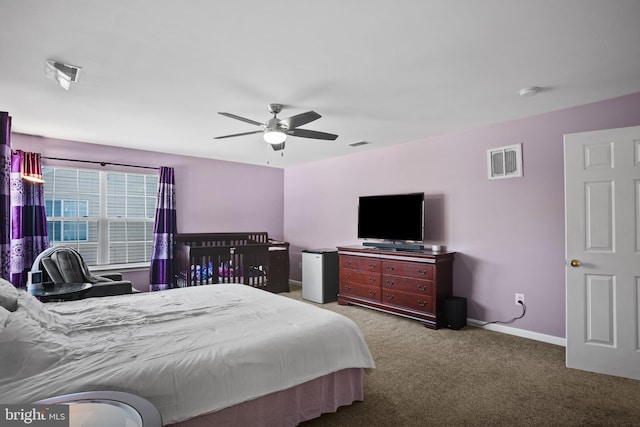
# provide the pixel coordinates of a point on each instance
(275, 130)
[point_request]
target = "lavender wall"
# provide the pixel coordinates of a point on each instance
(213, 196)
(509, 234)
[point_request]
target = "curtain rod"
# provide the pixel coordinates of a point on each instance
(99, 163)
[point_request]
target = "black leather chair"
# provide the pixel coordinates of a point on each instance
(61, 265)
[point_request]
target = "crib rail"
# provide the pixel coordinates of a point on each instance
(202, 265)
(239, 257)
(222, 239)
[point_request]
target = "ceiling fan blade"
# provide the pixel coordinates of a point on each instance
(242, 119)
(238, 134)
(300, 119)
(305, 133)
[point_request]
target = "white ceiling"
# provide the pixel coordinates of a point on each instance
(156, 72)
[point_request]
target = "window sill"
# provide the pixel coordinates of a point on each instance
(97, 269)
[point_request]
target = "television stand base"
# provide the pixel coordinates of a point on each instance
(401, 246)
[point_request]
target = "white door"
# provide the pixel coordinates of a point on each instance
(602, 208)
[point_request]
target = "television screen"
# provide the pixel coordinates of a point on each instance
(391, 217)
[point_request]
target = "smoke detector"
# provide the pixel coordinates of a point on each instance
(528, 92)
(64, 74)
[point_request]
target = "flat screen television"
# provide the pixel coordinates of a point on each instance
(396, 217)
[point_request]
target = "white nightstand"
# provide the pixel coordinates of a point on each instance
(107, 409)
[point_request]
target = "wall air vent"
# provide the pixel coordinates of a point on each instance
(504, 162)
(359, 143)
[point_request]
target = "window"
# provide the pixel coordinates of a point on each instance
(68, 230)
(106, 216)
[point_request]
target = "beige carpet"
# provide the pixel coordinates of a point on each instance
(474, 377)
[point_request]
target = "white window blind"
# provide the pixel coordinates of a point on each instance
(107, 216)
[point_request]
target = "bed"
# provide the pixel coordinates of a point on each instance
(205, 355)
(249, 258)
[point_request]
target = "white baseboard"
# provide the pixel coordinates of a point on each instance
(550, 339)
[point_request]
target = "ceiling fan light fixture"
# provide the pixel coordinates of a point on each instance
(274, 136)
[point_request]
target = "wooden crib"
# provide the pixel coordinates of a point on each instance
(249, 258)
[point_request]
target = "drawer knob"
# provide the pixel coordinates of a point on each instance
(372, 280)
(390, 268)
(390, 296)
(347, 287)
(390, 282)
(372, 293)
(422, 272)
(422, 303)
(347, 275)
(372, 266)
(422, 287)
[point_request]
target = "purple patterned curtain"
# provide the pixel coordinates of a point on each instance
(161, 274)
(5, 195)
(29, 234)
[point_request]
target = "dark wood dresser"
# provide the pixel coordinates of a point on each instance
(409, 283)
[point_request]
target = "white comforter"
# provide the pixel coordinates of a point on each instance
(189, 351)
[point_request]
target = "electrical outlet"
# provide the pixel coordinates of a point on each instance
(519, 297)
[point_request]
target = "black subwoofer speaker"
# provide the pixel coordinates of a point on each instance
(455, 312)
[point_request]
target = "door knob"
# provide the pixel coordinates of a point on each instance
(575, 263)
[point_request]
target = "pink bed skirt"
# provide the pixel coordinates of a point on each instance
(289, 407)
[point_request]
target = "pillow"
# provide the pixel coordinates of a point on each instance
(27, 347)
(8, 295)
(37, 310)
(4, 316)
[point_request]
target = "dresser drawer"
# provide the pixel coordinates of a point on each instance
(360, 263)
(408, 300)
(359, 290)
(407, 284)
(408, 269)
(361, 277)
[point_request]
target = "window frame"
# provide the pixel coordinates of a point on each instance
(103, 242)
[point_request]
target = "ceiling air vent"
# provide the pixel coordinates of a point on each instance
(64, 74)
(504, 162)
(359, 143)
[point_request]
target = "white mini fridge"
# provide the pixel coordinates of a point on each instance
(320, 277)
